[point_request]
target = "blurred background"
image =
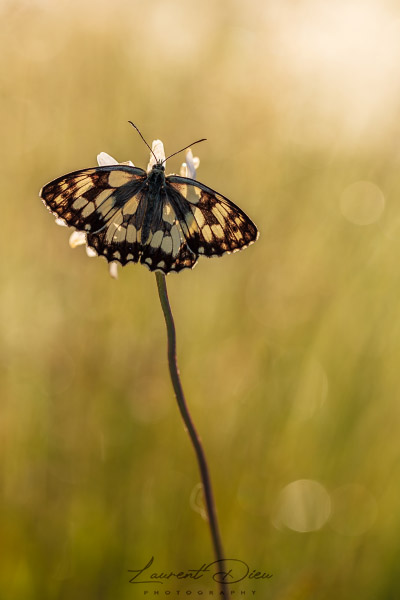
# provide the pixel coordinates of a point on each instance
(289, 351)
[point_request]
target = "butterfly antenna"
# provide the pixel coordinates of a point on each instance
(185, 148)
(151, 150)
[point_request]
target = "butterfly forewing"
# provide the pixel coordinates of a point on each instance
(88, 199)
(165, 225)
(213, 224)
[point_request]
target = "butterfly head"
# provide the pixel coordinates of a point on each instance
(156, 176)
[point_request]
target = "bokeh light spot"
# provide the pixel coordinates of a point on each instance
(362, 203)
(303, 505)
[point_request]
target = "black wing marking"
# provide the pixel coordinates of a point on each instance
(90, 198)
(165, 250)
(212, 224)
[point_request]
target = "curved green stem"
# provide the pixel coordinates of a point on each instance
(194, 437)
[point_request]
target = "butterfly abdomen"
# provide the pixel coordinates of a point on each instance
(152, 215)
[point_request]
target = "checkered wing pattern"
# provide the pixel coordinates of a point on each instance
(164, 224)
(90, 199)
(212, 224)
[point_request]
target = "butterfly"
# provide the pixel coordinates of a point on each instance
(163, 222)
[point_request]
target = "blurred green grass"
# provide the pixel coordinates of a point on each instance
(289, 351)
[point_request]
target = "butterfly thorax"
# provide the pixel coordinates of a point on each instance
(155, 183)
(156, 177)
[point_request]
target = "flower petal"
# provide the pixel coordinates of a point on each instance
(90, 252)
(104, 160)
(158, 149)
(188, 168)
(113, 270)
(77, 238)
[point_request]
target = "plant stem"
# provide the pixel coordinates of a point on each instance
(194, 437)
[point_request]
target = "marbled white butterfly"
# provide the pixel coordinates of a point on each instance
(163, 222)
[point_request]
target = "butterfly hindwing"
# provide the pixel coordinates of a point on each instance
(120, 239)
(167, 249)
